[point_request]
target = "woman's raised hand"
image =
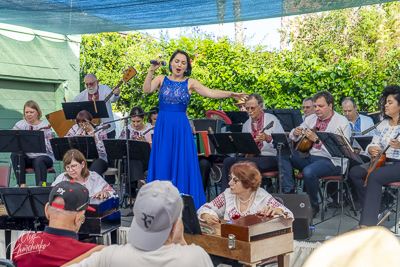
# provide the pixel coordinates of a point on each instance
(154, 67)
(239, 96)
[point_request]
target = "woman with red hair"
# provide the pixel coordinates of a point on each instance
(243, 197)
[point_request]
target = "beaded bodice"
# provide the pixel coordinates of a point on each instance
(172, 92)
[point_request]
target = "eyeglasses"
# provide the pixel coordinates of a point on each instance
(71, 167)
(251, 108)
(90, 84)
(240, 106)
(305, 107)
(234, 178)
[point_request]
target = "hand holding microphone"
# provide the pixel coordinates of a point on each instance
(157, 62)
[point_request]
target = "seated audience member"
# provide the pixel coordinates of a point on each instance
(308, 107)
(58, 243)
(137, 131)
(375, 246)
(258, 120)
(84, 128)
(156, 235)
(243, 197)
(75, 164)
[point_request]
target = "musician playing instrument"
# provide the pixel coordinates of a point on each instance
(308, 107)
(370, 195)
(84, 128)
(99, 92)
(258, 119)
(243, 197)
(137, 132)
(75, 164)
(319, 162)
(40, 162)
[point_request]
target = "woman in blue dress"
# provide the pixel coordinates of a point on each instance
(173, 153)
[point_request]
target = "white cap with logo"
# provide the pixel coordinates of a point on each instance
(157, 207)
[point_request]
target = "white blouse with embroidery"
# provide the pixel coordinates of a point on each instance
(48, 134)
(224, 206)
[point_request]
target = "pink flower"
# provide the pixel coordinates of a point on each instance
(196, 55)
(191, 61)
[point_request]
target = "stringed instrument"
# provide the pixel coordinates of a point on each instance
(378, 161)
(129, 73)
(269, 126)
(370, 128)
(304, 144)
(44, 128)
(143, 134)
(61, 125)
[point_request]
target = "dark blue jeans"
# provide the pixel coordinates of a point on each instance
(312, 167)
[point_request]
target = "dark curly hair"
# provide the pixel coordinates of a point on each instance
(188, 71)
(389, 90)
(248, 173)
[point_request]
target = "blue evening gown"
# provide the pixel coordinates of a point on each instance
(173, 153)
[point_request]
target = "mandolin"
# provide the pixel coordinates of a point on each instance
(370, 128)
(378, 161)
(143, 134)
(305, 144)
(44, 128)
(269, 126)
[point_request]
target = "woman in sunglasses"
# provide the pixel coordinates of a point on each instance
(243, 197)
(76, 170)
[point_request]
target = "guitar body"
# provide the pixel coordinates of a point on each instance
(304, 144)
(59, 123)
(375, 164)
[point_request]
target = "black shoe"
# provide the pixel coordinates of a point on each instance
(315, 210)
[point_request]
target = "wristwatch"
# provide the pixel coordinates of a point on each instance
(318, 141)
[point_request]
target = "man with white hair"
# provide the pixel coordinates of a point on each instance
(156, 235)
(97, 92)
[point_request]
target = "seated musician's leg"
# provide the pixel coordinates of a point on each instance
(372, 205)
(21, 177)
(40, 165)
(226, 168)
(205, 167)
(288, 162)
(357, 175)
(319, 167)
(136, 176)
(99, 166)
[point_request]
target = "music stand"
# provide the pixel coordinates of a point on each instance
(118, 149)
(189, 217)
(22, 141)
(26, 202)
(281, 144)
(289, 118)
(85, 144)
(226, 143)
(337, 146)
(237, 117)
(363, 141)
(71, 109)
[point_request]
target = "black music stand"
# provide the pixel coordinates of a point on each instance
(127, 150)
(238, 143)
(71, 109)
(26, 202)
(238, 118)
(189, 217)
(85, 144)
(22, 141)
(281, 144)
(338, 147)
(289, 118)
(363, 141)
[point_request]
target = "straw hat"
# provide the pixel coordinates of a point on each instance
(240, 102)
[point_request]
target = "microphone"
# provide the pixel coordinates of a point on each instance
(103, 128)
(154, 62)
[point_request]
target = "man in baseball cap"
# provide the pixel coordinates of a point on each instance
(58, 243)
(156, 235)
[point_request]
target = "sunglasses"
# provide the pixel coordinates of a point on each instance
(251, 108)
(90, 84)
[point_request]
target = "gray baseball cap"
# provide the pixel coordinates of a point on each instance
(157, 207)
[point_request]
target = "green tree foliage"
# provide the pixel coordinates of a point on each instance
(353, 52)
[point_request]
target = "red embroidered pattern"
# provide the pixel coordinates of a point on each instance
(322, 125)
